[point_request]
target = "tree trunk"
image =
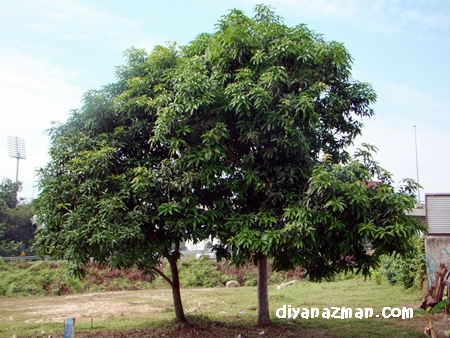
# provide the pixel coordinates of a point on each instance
(179, 313)
(263, 292)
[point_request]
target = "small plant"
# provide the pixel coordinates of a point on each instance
(429, 312)
(377, 276)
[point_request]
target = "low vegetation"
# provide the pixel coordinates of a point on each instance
(226, 312)
(20, 278)
(211, 309)
(409, 271)
(16, 226)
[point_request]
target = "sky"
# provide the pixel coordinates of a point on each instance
(51, 52)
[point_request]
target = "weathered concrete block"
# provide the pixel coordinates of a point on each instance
(437, 249)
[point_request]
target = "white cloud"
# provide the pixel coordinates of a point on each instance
(37, 86)
(30, 83)
(33, 92)
(437, 19)
(396, 144)
(73, 20)
(377, 15)
(37, 83)
(399, 108)
(413, 101)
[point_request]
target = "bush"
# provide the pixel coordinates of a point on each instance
(276, 278)
(251, 279)
(408, 271)
(53, 278)
(74, 284)
(199, 272)
(19, 278)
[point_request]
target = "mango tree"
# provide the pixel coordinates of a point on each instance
(109, 194)
(251, 108)
(224, 137)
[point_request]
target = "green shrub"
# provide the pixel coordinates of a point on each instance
(119, 283)
(144, 285)
(276, 278)
(97, 288)
(377, 276)
(20, 278)
(199, 273)
(251, 279)
(74, 284)
(407, 271)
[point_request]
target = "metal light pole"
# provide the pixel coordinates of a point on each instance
(417, 163)
(16, 149)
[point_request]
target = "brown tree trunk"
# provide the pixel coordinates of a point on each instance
(179, 313)
(263, 292)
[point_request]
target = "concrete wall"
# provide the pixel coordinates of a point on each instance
(437, 250)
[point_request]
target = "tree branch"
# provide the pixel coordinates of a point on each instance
(159, 272)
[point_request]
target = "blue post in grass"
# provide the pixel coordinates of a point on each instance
(69, 328)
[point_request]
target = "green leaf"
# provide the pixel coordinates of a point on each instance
(439, 306)
(420, 311)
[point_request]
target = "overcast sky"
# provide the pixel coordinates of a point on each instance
(51, 52)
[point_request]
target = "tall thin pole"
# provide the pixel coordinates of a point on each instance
(17, 171)
(417, 163)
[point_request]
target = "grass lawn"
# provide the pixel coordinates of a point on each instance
(216, 312)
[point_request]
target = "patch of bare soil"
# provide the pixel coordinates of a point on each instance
(82, 306)
(134, 303)
(441, 323)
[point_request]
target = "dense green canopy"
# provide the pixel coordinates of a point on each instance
(222, 138)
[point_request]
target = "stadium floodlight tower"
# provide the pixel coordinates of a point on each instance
(16, 149)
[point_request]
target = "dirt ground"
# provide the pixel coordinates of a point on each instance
(154, 305)
(83, 306)
(103, 305)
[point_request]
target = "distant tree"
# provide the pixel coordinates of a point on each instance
(20, 227)
(16, 228)
(8, 193)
